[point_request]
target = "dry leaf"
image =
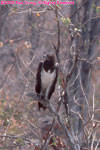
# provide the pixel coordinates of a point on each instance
(1, 44)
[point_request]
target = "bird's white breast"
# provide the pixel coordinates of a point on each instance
(47, 78)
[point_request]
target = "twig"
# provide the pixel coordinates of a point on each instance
(75, 78)
(73, 66)
(57, 48)
(96, 17)
(10, 146)
(16, 137)
(78, 8)
(97, 144)
(28, 11)
(6, 76)
(92, 147)
(84, 94)
(68, 76)
(93, 105)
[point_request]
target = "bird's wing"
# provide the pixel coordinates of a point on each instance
(38, 78)
(52, 88)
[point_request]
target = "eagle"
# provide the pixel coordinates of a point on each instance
(46, 78)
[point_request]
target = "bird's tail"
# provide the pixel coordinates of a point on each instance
(41, 106)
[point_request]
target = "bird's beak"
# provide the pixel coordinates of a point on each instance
(57, 65)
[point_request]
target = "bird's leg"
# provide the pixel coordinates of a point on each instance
(42, 94)
(42, 98)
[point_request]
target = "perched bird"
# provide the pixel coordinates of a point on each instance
(46, 78)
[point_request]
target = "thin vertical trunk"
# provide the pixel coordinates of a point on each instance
(79, 83)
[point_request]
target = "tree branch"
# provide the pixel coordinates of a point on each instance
(46, 103)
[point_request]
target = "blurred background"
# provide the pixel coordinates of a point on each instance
(27, 32)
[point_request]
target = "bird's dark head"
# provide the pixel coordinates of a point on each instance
(49, 58)
(49, 62)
